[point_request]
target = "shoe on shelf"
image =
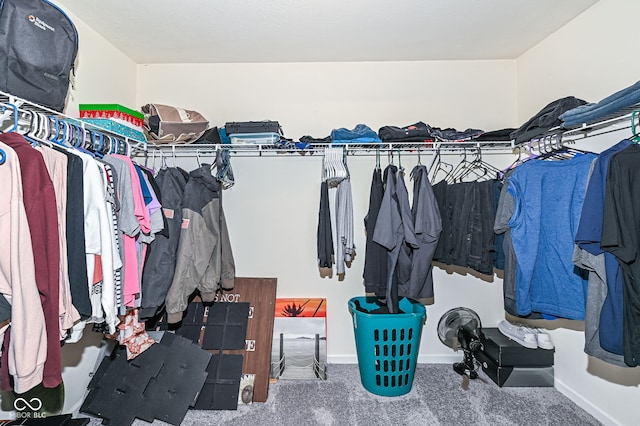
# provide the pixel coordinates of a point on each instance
(543, 338)
(518, 333)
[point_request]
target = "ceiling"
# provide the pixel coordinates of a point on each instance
(218, 31)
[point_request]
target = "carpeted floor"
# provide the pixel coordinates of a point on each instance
(436, 399)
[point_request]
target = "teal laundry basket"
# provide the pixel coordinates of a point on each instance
(387, 345)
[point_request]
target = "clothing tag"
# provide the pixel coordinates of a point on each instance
(184, 115)
(185, 223)
(168, 213)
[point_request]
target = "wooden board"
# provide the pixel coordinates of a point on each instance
(260, 293)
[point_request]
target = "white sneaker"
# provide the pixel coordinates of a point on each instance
(543, 338)
(519, 333)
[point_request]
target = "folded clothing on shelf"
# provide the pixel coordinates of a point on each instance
(496, 135)
(421, 132)
(547, 118)
(612, 104)
(360, 134)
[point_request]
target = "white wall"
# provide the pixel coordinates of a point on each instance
(591, 58)
(272, 210)
(314, 98)
(103, 73)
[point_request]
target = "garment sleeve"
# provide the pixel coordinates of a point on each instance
(614, 239)
(428, 222)
(388, 219)
(99, 219)
(227, 263)
(506, 206)
(195, 250)
(127, 221)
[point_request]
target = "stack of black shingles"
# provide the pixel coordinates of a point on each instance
(168, 378)
(160, 383)
(225, 328)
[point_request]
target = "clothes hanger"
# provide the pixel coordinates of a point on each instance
(163, 161)
(473, 171)
(478, 169)
(225, 171)
(441, 166)
(112, 141)
(54, 130)
(323, 170)
(492, 171)
(531, 156)
(460, 168)
(32, 128)
(635, 134)
(3, 154)
(97, 150)
(6, 113)
(153, 159)
(343, 162)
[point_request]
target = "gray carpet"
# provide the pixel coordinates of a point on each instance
(436, 399)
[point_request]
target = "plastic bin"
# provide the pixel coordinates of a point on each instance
(387, 345)
(254, 138)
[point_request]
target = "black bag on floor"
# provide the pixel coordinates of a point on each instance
(38, 48)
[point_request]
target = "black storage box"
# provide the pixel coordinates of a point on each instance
(235, 127)
(507, 352)
(510, 364)
(510, 376)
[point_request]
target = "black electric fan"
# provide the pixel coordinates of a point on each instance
(461, 328)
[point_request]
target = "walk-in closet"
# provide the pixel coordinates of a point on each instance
(292, 218)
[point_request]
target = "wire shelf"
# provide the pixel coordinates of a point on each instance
(10, 104)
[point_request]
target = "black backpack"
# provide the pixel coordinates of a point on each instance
(38, 48)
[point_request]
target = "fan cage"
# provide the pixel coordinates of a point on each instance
(451, 320)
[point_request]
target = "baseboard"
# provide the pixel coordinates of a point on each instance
(342, 359)
(440, 358)
(422, 359)
(586, 405)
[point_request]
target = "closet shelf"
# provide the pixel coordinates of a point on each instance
(621, 120)
(10, 104)
(365, 149)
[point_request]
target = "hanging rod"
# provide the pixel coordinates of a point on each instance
(21, 105)
(278, 149)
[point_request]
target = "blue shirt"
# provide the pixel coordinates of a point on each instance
(548, 198)
(589, 236)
